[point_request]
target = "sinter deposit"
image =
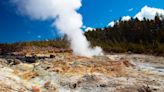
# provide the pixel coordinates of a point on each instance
(65, 72)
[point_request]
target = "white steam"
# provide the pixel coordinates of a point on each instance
(66, 19)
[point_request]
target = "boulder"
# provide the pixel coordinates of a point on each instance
(13, 61)
(52, 56)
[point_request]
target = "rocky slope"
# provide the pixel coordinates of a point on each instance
(64, 72)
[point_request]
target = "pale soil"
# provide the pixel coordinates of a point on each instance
(69, 73)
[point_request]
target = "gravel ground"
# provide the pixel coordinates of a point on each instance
(69, 73)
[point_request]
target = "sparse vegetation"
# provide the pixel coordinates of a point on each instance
(59, 43)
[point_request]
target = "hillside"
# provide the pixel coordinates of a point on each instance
(135, 36)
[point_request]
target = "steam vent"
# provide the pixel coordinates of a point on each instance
(81, 45)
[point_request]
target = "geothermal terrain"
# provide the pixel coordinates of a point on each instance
(58, 70)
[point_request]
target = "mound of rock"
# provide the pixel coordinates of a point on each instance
(64, 72)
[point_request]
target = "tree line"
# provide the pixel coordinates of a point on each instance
(134, 35)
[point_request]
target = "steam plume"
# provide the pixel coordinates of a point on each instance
(66, 19)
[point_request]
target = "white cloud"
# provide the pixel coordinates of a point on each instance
(148, 12)
(131, 9)
(111, 24)
(89, 29)
(126, 18)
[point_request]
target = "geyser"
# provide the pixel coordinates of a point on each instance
(66, 19)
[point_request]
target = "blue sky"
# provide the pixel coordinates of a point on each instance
(96, 13)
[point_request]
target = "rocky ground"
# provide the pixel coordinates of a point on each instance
(65, 72)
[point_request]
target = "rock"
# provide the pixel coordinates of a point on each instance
(3, 61)
(35, 89)
(73, 86)
(21, 90)
(13, 61)
(31, 59)
(52, 56)
(145, 89)
(10, 61)
(103, 85)
(70, 73)
(128, 64)
(29, 75)
(47, 84)
(17, 61)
